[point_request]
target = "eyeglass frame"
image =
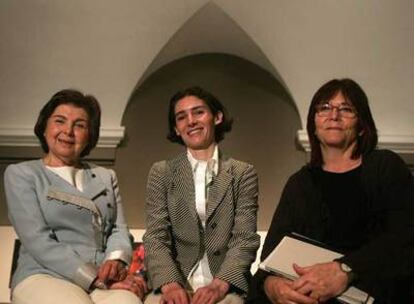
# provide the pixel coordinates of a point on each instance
(341, 110)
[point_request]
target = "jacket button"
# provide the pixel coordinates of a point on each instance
(217, 253)
(213, 225)
(109, 205)
(93, 175)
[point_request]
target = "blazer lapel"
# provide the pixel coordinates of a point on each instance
(219, 186)
(64, 192)
(183, 184)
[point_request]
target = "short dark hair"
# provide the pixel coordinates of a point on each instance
(353, 93)
(78, 99)
(214, 105)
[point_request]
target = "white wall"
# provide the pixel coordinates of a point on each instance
(105, 48)
(7, 237)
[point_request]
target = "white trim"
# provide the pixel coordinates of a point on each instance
(398, 143)
(24, 137)
(303, 139)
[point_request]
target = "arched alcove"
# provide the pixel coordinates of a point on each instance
(211, 30)
(265, 124)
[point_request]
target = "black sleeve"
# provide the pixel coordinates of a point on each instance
(388, 255)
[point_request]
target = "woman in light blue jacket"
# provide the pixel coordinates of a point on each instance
(68, 214)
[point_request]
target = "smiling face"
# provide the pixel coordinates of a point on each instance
(335, 130)
(66, 134)
(195, 123)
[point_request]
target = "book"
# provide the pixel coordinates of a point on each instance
(306, 252)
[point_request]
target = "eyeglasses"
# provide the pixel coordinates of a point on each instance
(326, 109)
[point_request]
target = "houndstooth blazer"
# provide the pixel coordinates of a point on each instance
(175, 239)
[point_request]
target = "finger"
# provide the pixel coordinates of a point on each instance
(300, 298)
(213, 299)
(200, 296)
(118, 271)
(103, 272)
(119, 285)
(138, 291)
(289, 295)
(141, 282)
(143, 287)
(304, 289)
(184, 299)
(301, 270)
(146, 289)
(113, 272)
(166, 301)
(99, 284)
(196, 296)
(299, 283)
(122, 273)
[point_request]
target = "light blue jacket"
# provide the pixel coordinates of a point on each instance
(64, 232)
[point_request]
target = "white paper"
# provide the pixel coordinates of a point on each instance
(291, 250)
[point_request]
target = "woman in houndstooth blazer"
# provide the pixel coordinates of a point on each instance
(201, 210)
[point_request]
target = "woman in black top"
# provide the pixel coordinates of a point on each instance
(355, 199)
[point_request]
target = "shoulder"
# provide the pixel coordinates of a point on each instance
(169, 165)
(25, 174)
(238, 163)
(383, 159)
(160, 168)
(382, 155)
(97, 169)
(238, 167)
(32, 167)
(160, 165)
(105, 174)
(160, 172)
(384, 167)
(303, 175)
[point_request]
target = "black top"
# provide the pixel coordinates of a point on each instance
(380, 203)
(347, 208)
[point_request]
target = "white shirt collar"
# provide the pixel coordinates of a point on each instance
(214, 161)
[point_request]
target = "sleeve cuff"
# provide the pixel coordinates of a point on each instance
(119, 255)
(85, 275)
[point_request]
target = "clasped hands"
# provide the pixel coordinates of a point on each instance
(209, 294)
(317, 283)
(114, 275)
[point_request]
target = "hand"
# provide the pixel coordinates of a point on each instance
(136, 284)
(281, 291)
(174, 293)
(111, 271)
(321, 281)
(212, 293)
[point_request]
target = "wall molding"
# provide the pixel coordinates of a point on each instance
(402, 144)
(111, 138)
(24, 137)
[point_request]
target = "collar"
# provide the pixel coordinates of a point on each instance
(212, 163)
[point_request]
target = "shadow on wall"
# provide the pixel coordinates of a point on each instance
(264, 129)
